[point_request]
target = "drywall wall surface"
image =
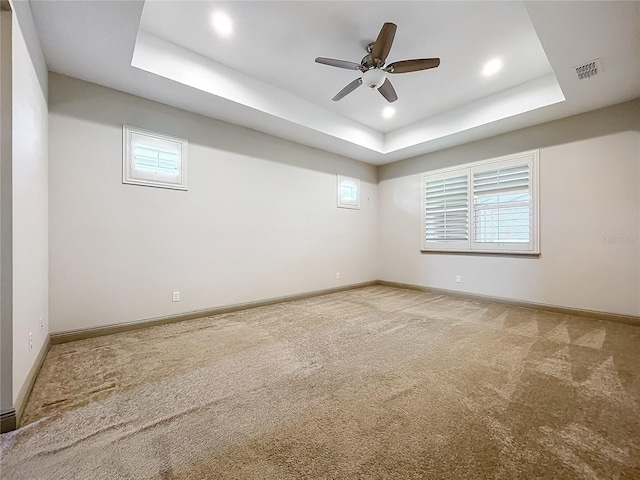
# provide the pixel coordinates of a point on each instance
(589, 217)
(259, 219)
(6, 216)
(30, 197)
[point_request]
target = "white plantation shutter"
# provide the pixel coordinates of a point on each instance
(159, 160)
(154, 159)
(446, 210)
(486, 206)
(348, 192)
(503, 205)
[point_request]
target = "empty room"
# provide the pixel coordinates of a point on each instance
(319, 240)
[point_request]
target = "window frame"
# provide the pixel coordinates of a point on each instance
(133, 176)
(530, 157)
(351, 205)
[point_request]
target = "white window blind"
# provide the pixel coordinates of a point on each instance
(447, 210)
(485, 206)
(156, 159)
(153, 159)
(502, 207)
(348, 192)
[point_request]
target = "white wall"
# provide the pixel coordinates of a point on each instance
(259, 219)
(600, 151)
(6, 214)
(30, 195)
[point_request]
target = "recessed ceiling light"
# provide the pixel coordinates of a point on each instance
(222, 23)
(388, 112)
(491, 67)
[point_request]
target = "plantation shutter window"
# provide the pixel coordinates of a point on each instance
(446, 210)
(348, 192)
(502, 206)
(153, 159)
(489, 206)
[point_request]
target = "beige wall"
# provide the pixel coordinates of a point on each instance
(259, 219)
(6, 210)
(599, 154)
(30, 198)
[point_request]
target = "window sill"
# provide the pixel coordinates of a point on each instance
(170, 186)
(486, 253)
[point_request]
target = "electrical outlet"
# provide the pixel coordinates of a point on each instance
(30, 341)
(337, 275)
(458, 279)
(41, 324)
(176, 296)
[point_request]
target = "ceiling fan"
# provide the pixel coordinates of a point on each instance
(373, 74)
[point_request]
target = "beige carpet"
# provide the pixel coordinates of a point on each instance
(374, 383)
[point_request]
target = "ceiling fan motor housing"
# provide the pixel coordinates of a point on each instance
(374, 78)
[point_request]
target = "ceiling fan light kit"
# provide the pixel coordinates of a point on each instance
(374, 78)
(372, 66)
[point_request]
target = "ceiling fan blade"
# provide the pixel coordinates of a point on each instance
(406, 66)
(338, 63)
(348, 89)
(383, 43)
(388, 91)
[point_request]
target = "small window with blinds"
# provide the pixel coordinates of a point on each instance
(154, 159)
(348, 192)
(488, 206)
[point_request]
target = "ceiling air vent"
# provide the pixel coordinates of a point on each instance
(589, 69)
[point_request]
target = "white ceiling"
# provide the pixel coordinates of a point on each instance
(298, 32)
(264, 77)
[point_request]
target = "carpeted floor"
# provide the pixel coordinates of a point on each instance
(373, 383)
